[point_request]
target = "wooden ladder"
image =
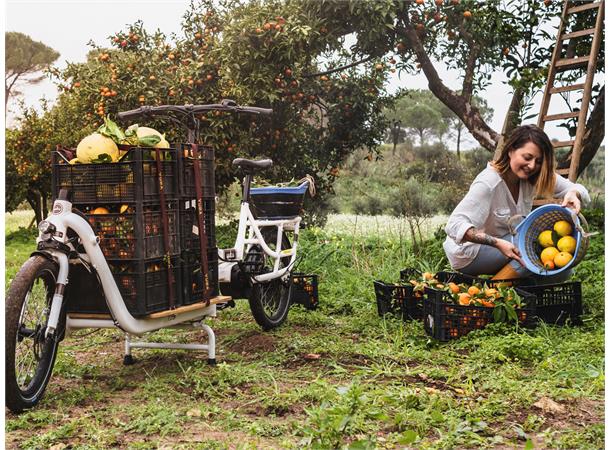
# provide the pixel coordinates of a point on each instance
(559, 64)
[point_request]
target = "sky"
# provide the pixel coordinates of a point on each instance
(67, 26)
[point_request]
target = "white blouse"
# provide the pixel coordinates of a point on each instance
(488, 206)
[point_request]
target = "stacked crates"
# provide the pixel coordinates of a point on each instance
(123, 204)
(193, 281)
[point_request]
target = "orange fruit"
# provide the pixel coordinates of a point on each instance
(548, 254)
(427, 276)
(100, 210)
(549, 265)
(545, 239)
(473, 290)
(567, 244)
(562, 259)
(562, 228)
(464, 299)
(454, 288)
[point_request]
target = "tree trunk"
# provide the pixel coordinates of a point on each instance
(34, 199)
(459, 138)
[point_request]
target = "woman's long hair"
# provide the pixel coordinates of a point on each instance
(544, 179)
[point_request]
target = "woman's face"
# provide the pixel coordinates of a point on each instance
(525, 161)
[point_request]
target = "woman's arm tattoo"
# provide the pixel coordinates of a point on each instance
(479, 237)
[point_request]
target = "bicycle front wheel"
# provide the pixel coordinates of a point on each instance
(29, 354)
(269, 301)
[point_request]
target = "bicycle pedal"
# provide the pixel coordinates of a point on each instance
(229, 304)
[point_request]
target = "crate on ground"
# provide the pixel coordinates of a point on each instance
(398, 299)
(189, 223)
(187, 171)
(134, 231)
(134, 178)
(193, 282)
(144, 286)
(304, 290)
(444, 320)
(558, 304)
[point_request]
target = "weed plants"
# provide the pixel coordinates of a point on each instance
(337, 377)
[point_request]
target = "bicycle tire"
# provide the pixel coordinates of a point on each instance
(26, 314)
(269, 301)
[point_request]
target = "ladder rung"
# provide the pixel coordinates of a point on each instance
(573, 87)
(559, 144)
(577, 9)
(578, 33)
(561, 116)
(563, 172)
(572, 63)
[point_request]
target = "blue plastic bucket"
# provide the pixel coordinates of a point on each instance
(539, 220)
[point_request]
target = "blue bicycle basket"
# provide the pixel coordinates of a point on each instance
(541, 219)
(275, 202)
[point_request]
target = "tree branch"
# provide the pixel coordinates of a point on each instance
(462, 107)
(338, 69)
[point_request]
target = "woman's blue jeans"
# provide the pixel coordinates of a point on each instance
(490, 260)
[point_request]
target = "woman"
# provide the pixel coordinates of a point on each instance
(478, 236)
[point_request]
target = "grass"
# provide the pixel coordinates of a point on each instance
(338, 377)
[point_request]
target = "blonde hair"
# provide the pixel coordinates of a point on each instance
(544, 179)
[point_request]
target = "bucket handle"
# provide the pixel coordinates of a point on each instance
(514, 222)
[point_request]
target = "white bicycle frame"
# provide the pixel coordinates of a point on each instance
(251, 227)
(63, 219)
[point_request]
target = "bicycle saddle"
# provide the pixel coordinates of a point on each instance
(252, 164)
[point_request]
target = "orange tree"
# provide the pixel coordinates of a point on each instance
(476, 39)
(257, 54)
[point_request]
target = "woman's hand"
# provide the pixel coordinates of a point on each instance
(572, 201)
(509, 250)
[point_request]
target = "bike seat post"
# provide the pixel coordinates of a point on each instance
(246, 189)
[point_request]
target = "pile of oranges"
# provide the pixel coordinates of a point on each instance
(469, 294)
(557, 245)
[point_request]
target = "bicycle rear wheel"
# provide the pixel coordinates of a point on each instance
(269, 301)
(29, 354)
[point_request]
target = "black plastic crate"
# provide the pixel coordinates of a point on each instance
(193, 283)
(134, 178)
(144, 286)
(398, 299)
(557, 303)
(187, 171)
(304, 290)
(189, 223)
(444, 320)
(554, 303)
(271, 206)
(136, 232)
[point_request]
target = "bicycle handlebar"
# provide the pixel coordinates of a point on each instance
(224, 105)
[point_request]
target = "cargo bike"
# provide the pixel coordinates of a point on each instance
(130, 245)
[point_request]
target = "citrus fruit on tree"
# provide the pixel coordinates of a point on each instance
(96, 148)
(545, 239)
(548, 254)
(464, 299)
(562, 259)
(562, 228)
(567, 244)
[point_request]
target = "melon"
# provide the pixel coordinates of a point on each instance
(93, 148)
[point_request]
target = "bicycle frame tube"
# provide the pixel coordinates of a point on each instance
(63, 218)
(251, 226)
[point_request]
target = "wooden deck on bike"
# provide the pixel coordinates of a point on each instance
(170, 312)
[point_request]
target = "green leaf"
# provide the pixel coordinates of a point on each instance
(102, 158)
(111, 130)
(408, 437)
(529, 445)
(149, 141)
